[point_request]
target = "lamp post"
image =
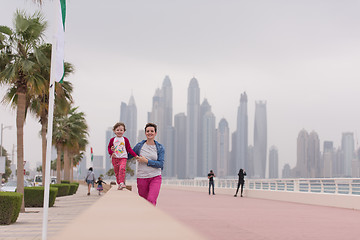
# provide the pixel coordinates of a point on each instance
(1, 143)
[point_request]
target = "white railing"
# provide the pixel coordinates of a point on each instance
(348, 186)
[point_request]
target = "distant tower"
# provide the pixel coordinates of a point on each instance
(180, 146)
(241, 146)
(208, 144)
(314, 166)
(157, 114)
(328, 159)
(273, 162)
(302, 154)
(348, 149)
(223, 154)
(260, 139)
(98, 165)
(108, 135)
(232, 160)
(128, 115)
(286, 172)
(192, 130)
(202, 166)
(161, 115)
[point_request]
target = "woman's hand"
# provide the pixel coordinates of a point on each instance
(141, 159)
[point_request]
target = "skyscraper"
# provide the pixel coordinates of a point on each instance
(161, 115)
(328, 159)
(201, 166)
(128, 115)
(192, 130)
(302, 155)
(108, 135)
(260, 139)
(208, 144)
(273, 162)
(223, 153)
(314, 166)
(241, 146)
(180, 146)
(347, 149)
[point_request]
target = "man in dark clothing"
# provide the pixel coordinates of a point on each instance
(241, 182)
(211, 176)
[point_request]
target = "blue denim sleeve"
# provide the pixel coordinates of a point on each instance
(159, 163)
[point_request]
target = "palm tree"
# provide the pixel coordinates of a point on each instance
(39, 104)
(19, 57)
(70, 135)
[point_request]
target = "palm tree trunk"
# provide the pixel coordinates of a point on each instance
(66, 164)
(58, 163)
(20, 119)
(43, 141)
(71, 167)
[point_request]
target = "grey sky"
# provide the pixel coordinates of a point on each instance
(302, 57)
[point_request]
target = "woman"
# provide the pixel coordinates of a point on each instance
(90, 179)
(241, 182)
(151, 161)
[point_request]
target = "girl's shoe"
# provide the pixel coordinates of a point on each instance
(121, 186)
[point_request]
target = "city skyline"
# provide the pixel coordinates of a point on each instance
(301, 57)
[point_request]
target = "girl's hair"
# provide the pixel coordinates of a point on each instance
(151, 125)
(90, 169)
(118, 124)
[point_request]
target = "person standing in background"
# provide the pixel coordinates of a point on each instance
(241, 182)
(211, 176)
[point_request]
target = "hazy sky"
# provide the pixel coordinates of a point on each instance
(301, 57)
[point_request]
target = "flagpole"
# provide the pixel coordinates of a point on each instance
(50, 125)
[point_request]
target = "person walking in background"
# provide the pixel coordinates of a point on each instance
(150, 164)
(90, 179)
(118, 148)
(241, 182)
(100, 182)
(211, 176)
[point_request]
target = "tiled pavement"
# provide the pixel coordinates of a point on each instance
(29, 224)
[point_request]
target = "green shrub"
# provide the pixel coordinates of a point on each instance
(65, 181)
(63, 189)
(34, 196)
(77, 186)
(73, 188)
(10, 204)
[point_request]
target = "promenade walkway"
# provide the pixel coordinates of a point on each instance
(180, 213)
(224, 216)
(29, 224)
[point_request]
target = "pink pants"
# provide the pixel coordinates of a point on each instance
(119, 169)
(149, 188)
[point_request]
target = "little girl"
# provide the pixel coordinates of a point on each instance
(119, 147)
(99, 182)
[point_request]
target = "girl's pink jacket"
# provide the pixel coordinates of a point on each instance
(127, 146)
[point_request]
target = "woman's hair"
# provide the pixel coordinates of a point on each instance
(90, 169)
(151, 125)
(241, 170)
(118, 124)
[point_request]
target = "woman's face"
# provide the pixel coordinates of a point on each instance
(150, 133)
